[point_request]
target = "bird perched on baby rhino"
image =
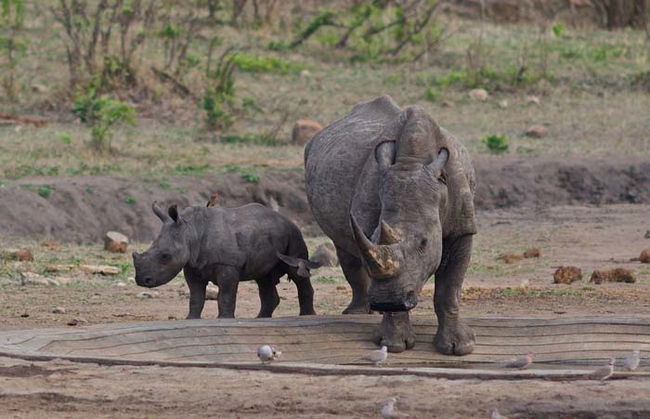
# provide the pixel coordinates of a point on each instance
(605, 372)
(267, 353)
(632, 360)
(522, 363)
(377, 357)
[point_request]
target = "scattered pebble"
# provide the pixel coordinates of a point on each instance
(645, 256)
(533, 100)
(120, 284)
(24, 315)
(503, 104)
(341, 288)
(532, 253)
(567, 275)
(600, 276)
(479, 95)
(536, 131)
(32, 278)
(77, 320)
(59, 310)
(145, 295)
(510, 258)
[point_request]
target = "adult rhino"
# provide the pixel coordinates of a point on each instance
(395, 193)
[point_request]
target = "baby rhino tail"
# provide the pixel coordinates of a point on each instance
(302, 266)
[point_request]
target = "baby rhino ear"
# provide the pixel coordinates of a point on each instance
(304, 266)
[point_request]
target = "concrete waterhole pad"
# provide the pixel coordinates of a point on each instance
(567, 348)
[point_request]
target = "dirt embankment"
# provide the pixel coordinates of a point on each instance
(82, 209)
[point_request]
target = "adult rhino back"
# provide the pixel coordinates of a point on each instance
(394, 191)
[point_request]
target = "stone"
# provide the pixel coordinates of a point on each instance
(325, 255)
(479, 95)
(63, 280)
(647, 234)
(600, 276)
(21, 255)
(533, 100)
(510, 258)
(76, 321)
(59, 310)
(32, 278)
(305, 74)
(99, 269)
(51, 244)
(116, 242)
(146, 295)
(567, 275)
(532, 253)
(211, 292)
(503, 104)
(304, 130)
(645, 256)
(39, 88)
(536, 131)
(341, 288)
(120, 284)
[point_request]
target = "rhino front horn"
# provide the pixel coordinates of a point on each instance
(381, 260)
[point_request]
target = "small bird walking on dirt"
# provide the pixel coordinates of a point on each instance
(605, 372)
(267, 353)
(632, 360)
(388, 411)
(377, 357)
(522, 363)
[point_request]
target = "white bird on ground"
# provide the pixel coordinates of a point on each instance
(388, 411)
(605, 372)
(377, 357)
(494, 414)
(632, 360)
(267, 353)
(522, 363)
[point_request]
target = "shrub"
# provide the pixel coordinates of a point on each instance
(259, 63)
(12, 16)
(102, 113)
(219, 96)
(497, 144)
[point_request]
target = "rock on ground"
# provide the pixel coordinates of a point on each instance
(536, 131)
(21, 255)
(325, 255)
(532, 253)
(32, 278)
(304, 130)
(479, 95)
(211, 292)
(645, 256)
(567, 275)
(600, 276)
(510, 258)
(116, 242)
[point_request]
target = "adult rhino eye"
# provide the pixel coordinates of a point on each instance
(165, 257)
(423, 243)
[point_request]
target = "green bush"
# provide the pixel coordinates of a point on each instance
(219, 96)
(102, 113)
(497, 144)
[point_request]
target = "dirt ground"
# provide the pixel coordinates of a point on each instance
(587, 237)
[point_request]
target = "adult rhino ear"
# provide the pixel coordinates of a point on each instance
(439, 162)
(173, 213)
(385, 154)
(304, 266)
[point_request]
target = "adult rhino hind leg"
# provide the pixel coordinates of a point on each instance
(453, 337)
(395, 332)
(359, 281)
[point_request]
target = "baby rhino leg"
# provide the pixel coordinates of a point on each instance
(269, 298)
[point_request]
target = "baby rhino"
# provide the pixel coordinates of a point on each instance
(225, 246)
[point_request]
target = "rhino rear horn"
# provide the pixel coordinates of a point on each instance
(160, 213)
(381, 259)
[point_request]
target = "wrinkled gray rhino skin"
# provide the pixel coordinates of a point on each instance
(225, 246)
(395, 193)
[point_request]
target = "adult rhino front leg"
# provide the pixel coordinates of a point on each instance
(359, 280)
(395, 332)
(453, 336)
